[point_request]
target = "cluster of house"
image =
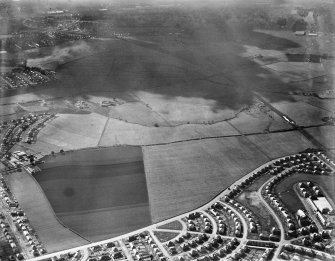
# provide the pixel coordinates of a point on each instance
(11, 240)
(23, 77)
(187, 243)
(216, 211)
(21, 223)
(305, 162)
(202, 248)
(29, 124)
(318, 241)
(71, 256)
(199, 222)
(31, 134)
(294, 252)
(143, 247)
(279, 207)
(249, 216)
(105, 252)
(325, 158)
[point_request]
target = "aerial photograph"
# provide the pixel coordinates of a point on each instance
(167, 130)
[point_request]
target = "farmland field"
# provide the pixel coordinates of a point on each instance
(183, 176)
(73, 131)
(54, 235)
(98, 193)
(184, 81)
(276, 145)
(118, 133)
(324, 134)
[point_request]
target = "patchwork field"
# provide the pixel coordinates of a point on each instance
(98, 193)
(72, 131)
(53, 234)
(183, 176)
(276, 145)
(118, 132)
(184, 89)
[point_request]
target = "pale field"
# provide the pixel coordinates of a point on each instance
(54, 235)
(179, 109)
(24, 97)
(118, 133)
(72, 131)
(183, 176)
(325, 104)
(302, 113)
(8, 109)
(137, 112)
(280, 144)
(34, 108)
(297, 71)
(324, 134)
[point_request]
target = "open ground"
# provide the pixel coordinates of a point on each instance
(189, 100)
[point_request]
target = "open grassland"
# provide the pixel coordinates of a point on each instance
(165, 236)
(324, 134)
(72, 131)
(289, 197)
(297, 71)
(53, 234)
(138, 113)
(174, 225)
(183, 176)
(118, 132)
(252, 201)
(276, 145)
(99, 193)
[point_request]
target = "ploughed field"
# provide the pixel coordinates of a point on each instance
(99, 198)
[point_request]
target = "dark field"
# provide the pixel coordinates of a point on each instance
(54, 235)
(98, 201)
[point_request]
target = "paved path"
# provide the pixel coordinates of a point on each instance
(274, 214)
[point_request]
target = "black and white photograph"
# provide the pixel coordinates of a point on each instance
(167, 130)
